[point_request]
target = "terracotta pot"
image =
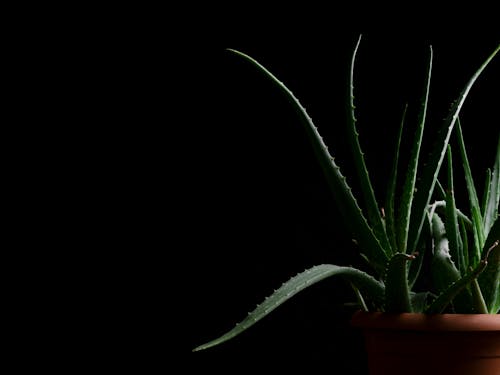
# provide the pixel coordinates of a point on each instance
(457, 344)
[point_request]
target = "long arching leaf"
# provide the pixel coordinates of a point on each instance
(343, 196)
(364, 282)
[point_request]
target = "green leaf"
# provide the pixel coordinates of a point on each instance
(419, 301)
(397, 293)
(440, 190)
(341, 191)
(296, 284)
(374, 215)
(478, 299)
(492, 196)
(426, 188)
(441, 208)
(411, 172)
(475, 208)
(451, 222)
(445, 298)
(489, 280)
(424, 244)
(359, 298)
(391, 190)
(486, 193)
(465, 242)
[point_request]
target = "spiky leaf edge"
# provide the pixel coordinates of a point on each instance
(475, 208)
(411, 173)
(373, 210)
(426, 188)
(363, 281)
(342, 192)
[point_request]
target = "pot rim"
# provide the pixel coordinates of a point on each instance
(426, 322)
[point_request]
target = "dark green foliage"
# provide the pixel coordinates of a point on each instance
(461, 253)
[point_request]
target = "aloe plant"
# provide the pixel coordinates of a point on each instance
(421, 230)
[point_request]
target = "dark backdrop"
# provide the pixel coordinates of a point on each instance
(257, 209)
(195, 194)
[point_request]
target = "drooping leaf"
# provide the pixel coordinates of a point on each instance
(296, 284)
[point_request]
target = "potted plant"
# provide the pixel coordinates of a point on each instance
(432, 270)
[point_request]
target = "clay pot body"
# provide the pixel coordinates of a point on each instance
(431, 344)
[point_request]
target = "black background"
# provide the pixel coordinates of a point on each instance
(185, 191)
